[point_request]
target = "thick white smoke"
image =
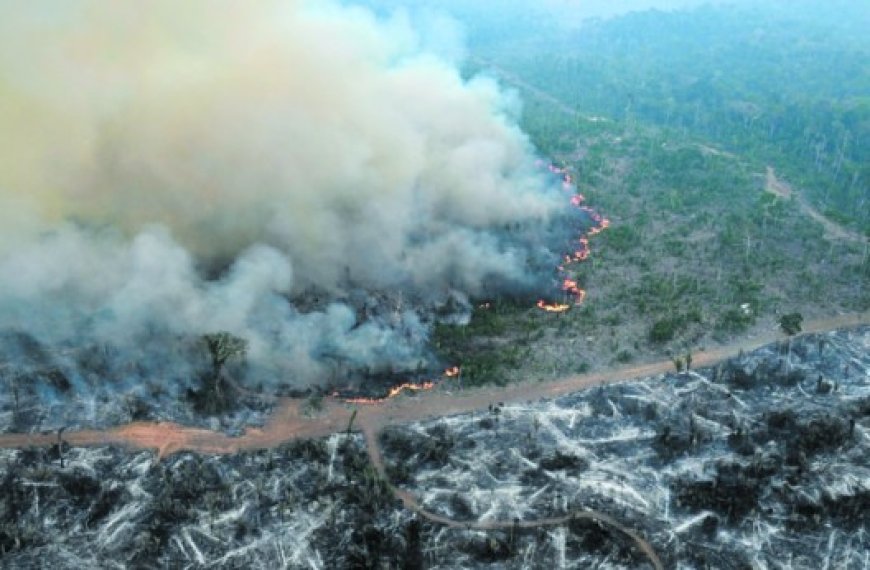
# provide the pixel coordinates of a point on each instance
(305, 147)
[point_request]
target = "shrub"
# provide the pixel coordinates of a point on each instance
(663, 330)
(734, 321)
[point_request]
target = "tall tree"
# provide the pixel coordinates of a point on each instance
(790, 324)
(222, 346)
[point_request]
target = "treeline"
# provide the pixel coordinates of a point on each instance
(785, 88)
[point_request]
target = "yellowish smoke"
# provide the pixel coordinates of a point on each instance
(306, 145)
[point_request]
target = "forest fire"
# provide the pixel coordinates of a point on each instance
(570, 286)
(553, 307)
(394, 391)
(573, 293)
(452, 372)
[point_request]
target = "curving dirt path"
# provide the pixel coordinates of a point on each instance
(412, 504)
(833, 230)
(289, 421)
(516, 81)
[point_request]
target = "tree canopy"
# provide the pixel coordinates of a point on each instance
(791, 323)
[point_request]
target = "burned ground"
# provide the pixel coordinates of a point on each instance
(735, 466)
(758, 460)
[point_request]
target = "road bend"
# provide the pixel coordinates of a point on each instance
(289, 420)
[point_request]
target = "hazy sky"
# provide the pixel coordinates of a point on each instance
(573, 12)
(568, 11)
(580, 9)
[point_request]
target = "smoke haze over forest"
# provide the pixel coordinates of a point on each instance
(294, 146)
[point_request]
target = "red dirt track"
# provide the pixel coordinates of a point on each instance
(288, 421)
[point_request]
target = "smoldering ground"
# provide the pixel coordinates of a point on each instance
(171, 170)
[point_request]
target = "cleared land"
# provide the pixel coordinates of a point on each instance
(289, 420)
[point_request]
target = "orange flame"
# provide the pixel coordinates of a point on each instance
(570, 286)
(394, 391)
(553, 307)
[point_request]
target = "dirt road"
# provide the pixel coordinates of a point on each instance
(513, 79)
(832, 230)
(290, 422)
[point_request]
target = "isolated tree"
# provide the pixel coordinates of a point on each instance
(14, 388)
(222, 346)
(790, 324)
(350, 421)
(60, 445)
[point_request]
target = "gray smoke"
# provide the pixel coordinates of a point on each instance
(178, 169)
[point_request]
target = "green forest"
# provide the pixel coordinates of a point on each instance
(682, 140)
(790, 88)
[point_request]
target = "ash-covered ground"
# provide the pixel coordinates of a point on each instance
(761, 462)
(99, 386)
(172, 378)
(308, 504)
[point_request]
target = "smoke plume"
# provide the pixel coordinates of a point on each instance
(303, 175)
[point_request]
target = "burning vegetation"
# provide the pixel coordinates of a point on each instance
(568, 286)
(392, 393)
(189, 207)
(574, 295)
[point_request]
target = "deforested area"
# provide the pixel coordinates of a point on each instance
(759, 461)
(761, 458)
(434, 284)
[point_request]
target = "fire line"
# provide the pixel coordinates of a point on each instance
(570, 286)
(394, 391)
